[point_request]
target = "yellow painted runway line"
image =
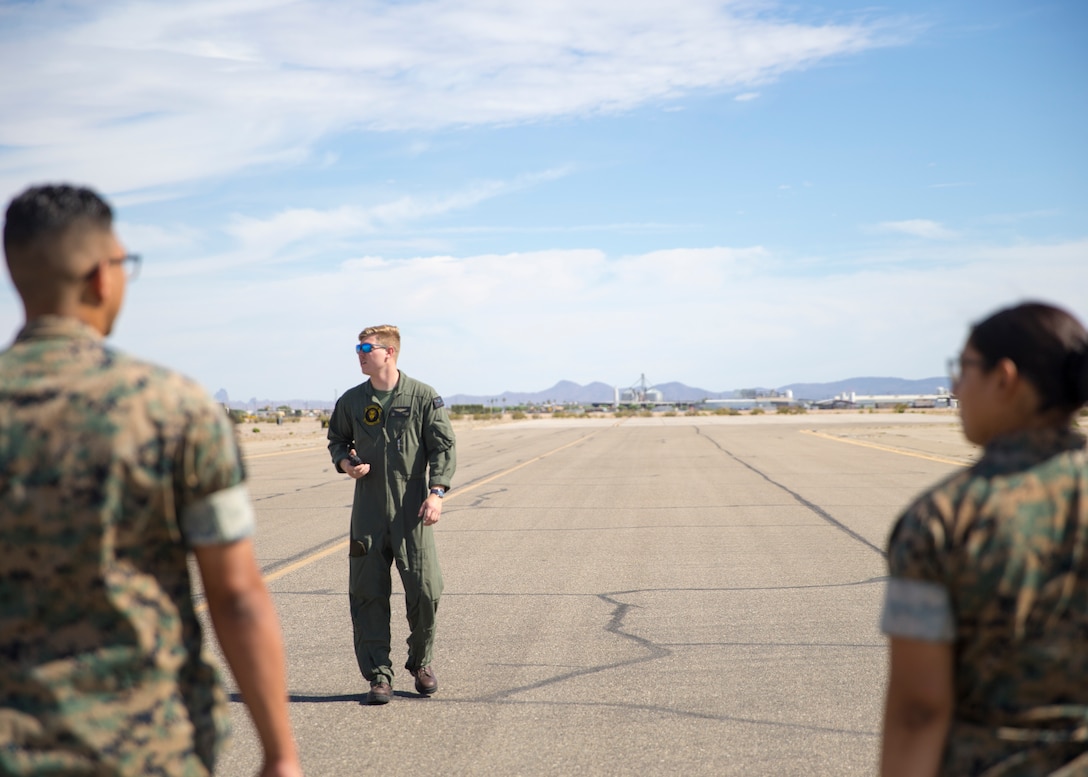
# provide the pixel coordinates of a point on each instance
(888, 448)
(305, 561)
(516, 467)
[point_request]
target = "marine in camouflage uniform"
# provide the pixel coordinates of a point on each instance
(112, 471)
(109, 469)
(994, 561)
(407, 439)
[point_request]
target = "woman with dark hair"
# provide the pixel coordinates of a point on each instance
(987, 599)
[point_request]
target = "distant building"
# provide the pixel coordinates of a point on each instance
(752, 398)
(639, 394)
(851, 400)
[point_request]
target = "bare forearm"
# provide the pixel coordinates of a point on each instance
(912, 748)
(249, 634)
(918, 707)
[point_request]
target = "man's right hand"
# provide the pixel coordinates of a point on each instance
(354, 471)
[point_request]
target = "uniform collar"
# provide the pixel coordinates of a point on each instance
(393, 391)
(57, 328)
(1027, 448)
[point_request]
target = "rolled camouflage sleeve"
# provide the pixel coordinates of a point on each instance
(214, 504)
(917, 603)
(223, 517)
(917, 610)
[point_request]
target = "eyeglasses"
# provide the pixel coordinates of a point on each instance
(131, 263)
(958, 364)
(368, 347)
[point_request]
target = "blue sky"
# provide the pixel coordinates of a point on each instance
(725, 194)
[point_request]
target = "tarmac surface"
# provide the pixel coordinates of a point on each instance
(687, 595)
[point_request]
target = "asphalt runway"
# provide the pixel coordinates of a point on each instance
(685, 595)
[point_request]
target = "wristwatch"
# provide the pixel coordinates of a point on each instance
(439, 492)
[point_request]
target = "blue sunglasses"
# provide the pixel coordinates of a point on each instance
(368, 347)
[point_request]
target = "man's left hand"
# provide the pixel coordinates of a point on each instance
(431, 510)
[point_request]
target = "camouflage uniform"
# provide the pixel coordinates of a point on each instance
(109, 469)
(994, 560)
(409, 445)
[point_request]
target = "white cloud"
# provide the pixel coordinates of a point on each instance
(302, 233)
(137, 95)
(746, 97)
(931, 230)
(715, 317)
(153, 239)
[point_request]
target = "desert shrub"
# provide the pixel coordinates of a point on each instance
(238, 416)
(517, 415)
(726, 411)
(756, 411)
(900, 408)
(467, 409)
(256, 430)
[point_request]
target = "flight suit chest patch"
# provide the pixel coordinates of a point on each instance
(399, 412)
(372, 416)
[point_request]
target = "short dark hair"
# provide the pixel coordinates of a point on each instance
(1048, 346)
(50, 210)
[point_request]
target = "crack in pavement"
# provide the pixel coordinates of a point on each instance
(800, 499)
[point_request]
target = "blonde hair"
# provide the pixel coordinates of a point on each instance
(386, 334)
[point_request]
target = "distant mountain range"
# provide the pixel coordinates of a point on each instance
(567, 391)
(816, 391)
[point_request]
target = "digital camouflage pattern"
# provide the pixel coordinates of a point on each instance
(101, 670)
(408, 441)
(1008, 539)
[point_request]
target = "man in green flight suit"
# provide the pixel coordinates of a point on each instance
(392, 434)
